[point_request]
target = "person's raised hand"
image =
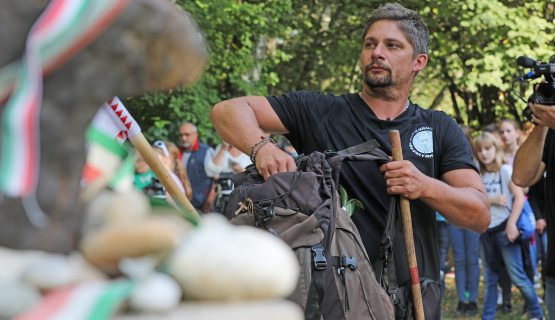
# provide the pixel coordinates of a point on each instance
(402, 177)
(226, 146)
(543, 115)
(270, 160)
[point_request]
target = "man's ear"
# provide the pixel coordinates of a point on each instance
(420, 62)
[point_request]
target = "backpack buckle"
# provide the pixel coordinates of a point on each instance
(385, 247)
(392, 293)
(318, 257)
(350, 262)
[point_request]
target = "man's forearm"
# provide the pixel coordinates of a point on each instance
(236, 124)
(527, 165)
(465, 207)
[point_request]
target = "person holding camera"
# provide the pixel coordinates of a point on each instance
(535, 155)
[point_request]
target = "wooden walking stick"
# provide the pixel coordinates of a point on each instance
(397, 153)
(151, 158)
(115, 120)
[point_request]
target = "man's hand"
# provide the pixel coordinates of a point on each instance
(270, 160)
(543, 115)
(540, 225)
(402, 177)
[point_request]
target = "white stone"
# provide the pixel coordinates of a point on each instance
(155, 294)
(237, 310)
(17, 297)
(49, 272)
(221, 261)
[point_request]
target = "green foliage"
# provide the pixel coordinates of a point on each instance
(242, 62)
(274, 46)
(349, 205)
(474, 45)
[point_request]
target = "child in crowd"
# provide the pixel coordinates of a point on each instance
(465, 245)
(168, 161)
(143, 173)
(499, 242)
(509, 132)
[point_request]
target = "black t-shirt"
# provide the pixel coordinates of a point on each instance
(549, 160)
(431, 140)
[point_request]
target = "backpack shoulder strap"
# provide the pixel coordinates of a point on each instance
(385, 265)
(366, 151)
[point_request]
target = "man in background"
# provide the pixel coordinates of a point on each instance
(195, 156)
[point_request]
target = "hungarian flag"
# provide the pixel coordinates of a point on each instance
(108, 158)
(95, 300)
(64, 28)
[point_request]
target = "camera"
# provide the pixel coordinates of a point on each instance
(224, 186)
(544, 92)
(155, 189)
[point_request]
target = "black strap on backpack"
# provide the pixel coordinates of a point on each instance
(385, 265)
(366, 151)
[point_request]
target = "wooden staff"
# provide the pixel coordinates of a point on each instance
(151, 158)
(397, 153)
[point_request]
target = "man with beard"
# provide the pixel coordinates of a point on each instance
(194, 156)
(438, 173)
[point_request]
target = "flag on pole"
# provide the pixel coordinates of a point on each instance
(108, 156)
(65, 27)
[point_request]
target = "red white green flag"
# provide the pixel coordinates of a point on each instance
(65, 27)
(95, 300)
(107, 156)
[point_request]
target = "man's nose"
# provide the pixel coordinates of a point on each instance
(378, 51)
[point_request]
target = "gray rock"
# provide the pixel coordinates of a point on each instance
(151, 46)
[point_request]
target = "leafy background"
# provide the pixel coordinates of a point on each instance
(262, 47)
(274, 46)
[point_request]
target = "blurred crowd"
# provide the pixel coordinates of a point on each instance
(503, 254)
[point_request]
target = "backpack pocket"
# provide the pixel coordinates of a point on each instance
(354, 275)
(432, 294)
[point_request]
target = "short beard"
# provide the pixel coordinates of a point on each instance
(378, 82)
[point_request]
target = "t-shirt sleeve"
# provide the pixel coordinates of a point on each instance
(299, 112)
(455, 149)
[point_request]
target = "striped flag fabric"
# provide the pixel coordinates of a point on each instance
(89, 301)
(107, 156)
(115, 121)
(65, 27)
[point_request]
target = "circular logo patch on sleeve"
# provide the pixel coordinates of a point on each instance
(422, 142)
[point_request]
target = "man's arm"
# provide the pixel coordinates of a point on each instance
(459, 196)
(528, 165)
(243, 121)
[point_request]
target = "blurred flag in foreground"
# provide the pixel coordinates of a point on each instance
(109, 159)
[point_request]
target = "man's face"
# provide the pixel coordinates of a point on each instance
(187, 136)
(386, 58)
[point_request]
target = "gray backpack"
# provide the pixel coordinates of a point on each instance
(337, 280)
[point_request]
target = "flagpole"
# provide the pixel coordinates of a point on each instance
(162, 173)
